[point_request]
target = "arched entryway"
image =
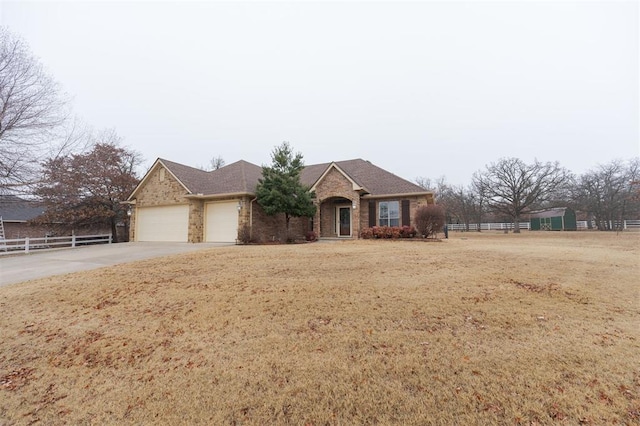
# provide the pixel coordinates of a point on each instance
(337, 217)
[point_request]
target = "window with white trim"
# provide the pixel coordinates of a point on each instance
(389, 213)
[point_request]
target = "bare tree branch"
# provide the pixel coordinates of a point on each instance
(608, 193)
(32, 108)
(510, 186)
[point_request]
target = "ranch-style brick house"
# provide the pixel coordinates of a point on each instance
(174, 202)
(16, 215)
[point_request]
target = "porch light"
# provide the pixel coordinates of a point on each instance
(240, 205)
(355, 206)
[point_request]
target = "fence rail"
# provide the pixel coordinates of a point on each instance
(28, 244)
(494, 226)
(615, 224)
(497, 226)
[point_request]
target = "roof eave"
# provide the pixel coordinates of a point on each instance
(399, 194)
(218, 196)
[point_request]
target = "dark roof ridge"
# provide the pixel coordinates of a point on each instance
(173, 163)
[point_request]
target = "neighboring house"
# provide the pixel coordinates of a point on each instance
(556, 219)
(174, 202)
(16, 214)
(19, 221)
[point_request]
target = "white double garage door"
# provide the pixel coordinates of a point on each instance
(171, 223)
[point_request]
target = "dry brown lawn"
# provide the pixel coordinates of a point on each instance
(538, 328)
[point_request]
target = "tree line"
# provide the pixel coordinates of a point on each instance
(509, 188)
(82, 175)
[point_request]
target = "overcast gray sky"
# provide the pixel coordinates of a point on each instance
(420, 89)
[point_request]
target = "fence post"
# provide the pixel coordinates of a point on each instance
(73, 240)
(26, 245)
(110, 238)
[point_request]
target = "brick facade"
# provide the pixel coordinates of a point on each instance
(414, 203)
(333, 191)
(19, 230)
(272, 228)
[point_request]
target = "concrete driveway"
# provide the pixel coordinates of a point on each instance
(39, 264)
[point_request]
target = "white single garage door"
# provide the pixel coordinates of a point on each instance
(221, 223)
(166, 223)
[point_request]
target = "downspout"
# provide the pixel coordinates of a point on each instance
(251, 218)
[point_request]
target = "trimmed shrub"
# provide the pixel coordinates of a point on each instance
(395, 231)
(366, 233)
(388, 232)
(408, 231)
(429, 220)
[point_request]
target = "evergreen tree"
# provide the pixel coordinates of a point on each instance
(280, 190)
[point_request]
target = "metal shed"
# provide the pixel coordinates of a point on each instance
(556, 219)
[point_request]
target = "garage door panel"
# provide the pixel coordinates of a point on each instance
(221, 221)
(165, 223)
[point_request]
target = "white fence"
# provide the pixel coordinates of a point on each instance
(486, 226)
(28, 244)
(581, 224)
(617, 224)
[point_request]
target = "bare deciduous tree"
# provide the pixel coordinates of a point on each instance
(464, 205)
(461, 205)
(607, 193)
(214, 164)
(31, 109)
(511, 186)
(437, 186)
(425, 183)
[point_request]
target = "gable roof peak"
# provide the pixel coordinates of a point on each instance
(366, 175)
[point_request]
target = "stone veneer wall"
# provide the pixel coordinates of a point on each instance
(168, 191)
(196, 221)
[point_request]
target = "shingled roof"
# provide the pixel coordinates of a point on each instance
(553, 212)
(16, 209)
(238, 177)
(373, 179)
(242, 177)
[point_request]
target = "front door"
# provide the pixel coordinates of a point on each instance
(344, 217)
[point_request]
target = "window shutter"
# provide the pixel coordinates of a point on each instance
(406, 216)
(372, 213)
